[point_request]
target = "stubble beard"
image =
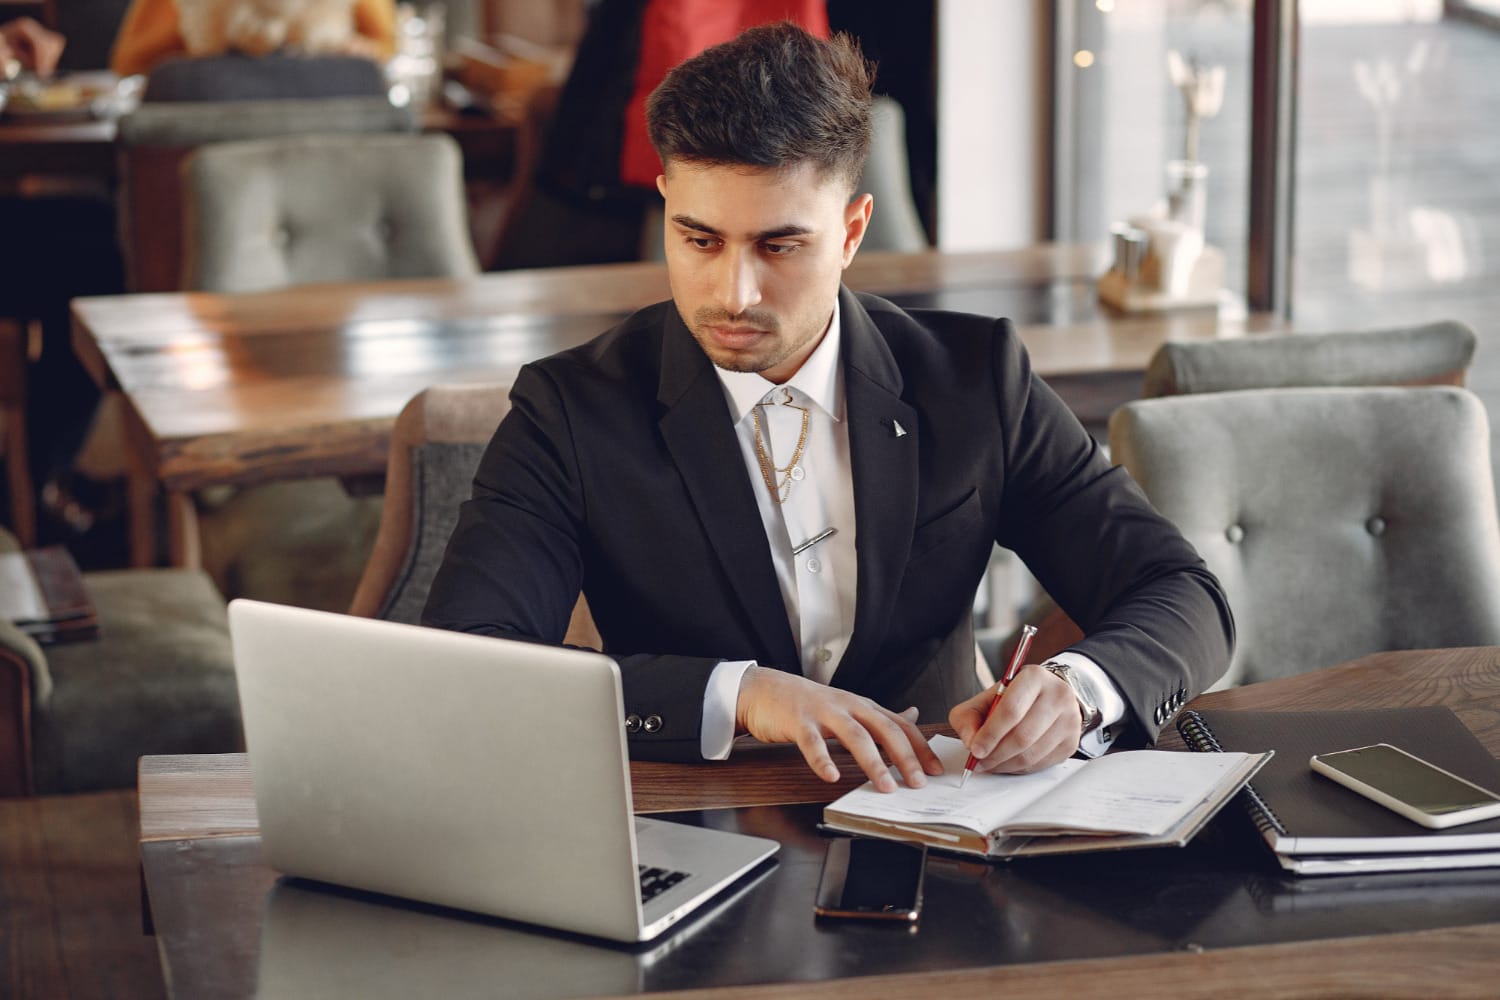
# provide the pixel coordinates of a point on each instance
(738, 361)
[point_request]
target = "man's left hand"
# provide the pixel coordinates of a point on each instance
(1035, 725)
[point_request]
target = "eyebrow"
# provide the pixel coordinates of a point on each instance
(780, 232)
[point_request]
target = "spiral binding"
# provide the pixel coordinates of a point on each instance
(1196, 734)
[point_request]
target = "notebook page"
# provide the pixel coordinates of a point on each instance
(986, 803)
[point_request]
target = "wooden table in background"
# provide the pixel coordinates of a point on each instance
(247, 388)
(85, 147)
(208, 890)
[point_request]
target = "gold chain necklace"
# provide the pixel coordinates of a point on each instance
(768, 470)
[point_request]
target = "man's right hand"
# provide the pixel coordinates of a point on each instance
(779, 707)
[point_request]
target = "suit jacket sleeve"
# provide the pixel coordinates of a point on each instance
(514, 566)
(1154, 617)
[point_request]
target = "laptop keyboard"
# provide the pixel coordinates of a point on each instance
(655, 881)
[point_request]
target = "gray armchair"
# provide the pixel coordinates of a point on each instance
(276, 76)
(293, 210)
(154, 139)
(1429, 354)
(435, 448)
(74, 717)
(1341, 521)
(894, 225)
(296, 210)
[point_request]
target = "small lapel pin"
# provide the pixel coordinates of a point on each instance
(896, 426)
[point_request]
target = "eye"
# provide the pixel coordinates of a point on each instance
(701, 242)
(781, 249)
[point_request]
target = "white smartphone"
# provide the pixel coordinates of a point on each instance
(1407, 784)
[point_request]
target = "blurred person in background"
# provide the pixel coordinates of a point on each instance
(26, 45)
(156, 30)
(60, 244)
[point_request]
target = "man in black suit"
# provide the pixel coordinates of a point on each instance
(779, 496)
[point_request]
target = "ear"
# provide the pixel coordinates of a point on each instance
(661, 184)
(856, 222)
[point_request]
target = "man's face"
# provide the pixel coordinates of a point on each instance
(755, 258)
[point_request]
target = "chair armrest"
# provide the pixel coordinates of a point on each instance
(24, 681)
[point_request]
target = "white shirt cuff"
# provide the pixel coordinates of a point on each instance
(720, 700)
(1111, 703)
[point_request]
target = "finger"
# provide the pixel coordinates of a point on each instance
(1008, 712)
(967, 716)
(1047, 733)
(858, 741)
(929, 760)
(903, 742)
(1052, 748)
(815, 751)
(1055, 744)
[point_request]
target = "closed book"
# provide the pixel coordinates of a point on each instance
(1316, 826)
(1138, 798)
(43, 594)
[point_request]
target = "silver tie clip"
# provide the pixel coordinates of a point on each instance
(797, 550)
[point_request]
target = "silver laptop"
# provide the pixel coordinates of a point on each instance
(479, 773)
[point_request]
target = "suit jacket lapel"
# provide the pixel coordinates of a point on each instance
(883, 446)
(695, 424)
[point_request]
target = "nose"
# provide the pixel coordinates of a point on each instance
(739, 280)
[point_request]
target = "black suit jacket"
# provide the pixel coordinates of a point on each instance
(618, 472)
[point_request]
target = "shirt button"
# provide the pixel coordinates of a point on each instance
(823, 655)
(797, 474)
(814, 566)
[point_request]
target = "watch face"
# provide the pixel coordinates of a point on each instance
(1083, 690)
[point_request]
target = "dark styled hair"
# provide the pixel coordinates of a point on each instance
(773, 97)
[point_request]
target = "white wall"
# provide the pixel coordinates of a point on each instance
(992, 123)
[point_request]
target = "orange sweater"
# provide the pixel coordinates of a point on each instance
(150, 33)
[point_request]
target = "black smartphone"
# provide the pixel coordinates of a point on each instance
(868, 879)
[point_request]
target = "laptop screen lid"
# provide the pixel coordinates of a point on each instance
(479, 773)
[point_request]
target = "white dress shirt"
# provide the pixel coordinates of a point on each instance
(817, 490)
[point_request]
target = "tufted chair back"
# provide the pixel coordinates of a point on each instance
(235, 76)
(1428, 354)
(1341, 521)
(154, 140)
(295, 210)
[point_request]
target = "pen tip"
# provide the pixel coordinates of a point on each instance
(964, 780)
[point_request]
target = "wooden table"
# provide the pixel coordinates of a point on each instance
(209, 892)
(85, 147)
(76, 148)
(70, 899)
(247, 388)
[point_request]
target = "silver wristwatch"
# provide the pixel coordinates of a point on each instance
(1083, 690)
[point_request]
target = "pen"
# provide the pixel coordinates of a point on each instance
(1017, 659)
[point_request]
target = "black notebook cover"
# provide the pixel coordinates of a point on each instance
(1301, 812)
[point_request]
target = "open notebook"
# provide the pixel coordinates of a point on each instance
(478, 773)
(1139, 798)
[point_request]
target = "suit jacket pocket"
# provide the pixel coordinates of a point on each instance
(962, 521)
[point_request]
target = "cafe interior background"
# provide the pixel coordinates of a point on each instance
(1336, 157)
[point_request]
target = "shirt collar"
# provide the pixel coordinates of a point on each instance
(819, 378)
